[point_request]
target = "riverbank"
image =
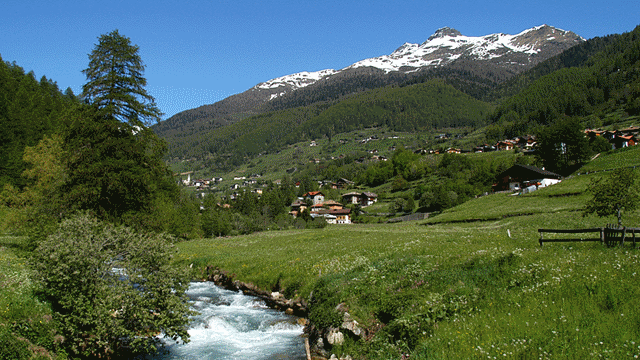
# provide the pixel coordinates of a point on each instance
(451, 289)
(314, 337)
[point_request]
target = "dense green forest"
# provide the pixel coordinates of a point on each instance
(29, 110)
(595, 85)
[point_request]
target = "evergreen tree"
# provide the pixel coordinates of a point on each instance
(562, 144)
(115, 82)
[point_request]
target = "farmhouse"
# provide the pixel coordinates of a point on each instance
(523, 176)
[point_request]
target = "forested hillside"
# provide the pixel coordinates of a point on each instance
(430, 105)
(584, 85)
(29, 110)
(573, 57)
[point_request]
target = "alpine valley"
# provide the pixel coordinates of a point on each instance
(449, 81)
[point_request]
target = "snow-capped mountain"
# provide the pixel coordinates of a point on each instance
(470, 62)
(513, 52)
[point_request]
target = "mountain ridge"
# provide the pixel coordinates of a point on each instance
(409, 57)
(483, 62)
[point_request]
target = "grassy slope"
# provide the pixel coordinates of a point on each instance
(448, 288)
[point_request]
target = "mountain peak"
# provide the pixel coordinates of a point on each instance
(445, 31)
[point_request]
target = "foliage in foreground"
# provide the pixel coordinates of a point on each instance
(112, 289)
(26, 325)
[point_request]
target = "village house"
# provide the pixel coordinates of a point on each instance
(622, 141)
(342, 183)
(364, 198)
(619, 138)
(332, 205)
(337, 216)
(351, 198)
(316, 197)
(505, 145)
(297, 207)
(520, 176)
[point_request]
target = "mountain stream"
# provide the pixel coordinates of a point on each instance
(231, 325)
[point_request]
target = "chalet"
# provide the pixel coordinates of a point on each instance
(339, 216)
(522, 176)
(453, 151)
(342, 184)
(315, 196)
(351, 198)
(484, 148)
(297, 207)
(332, 205)
(364, 199)
(504, 145)
(622, 141)
(368, 198)
(379, 158)
(525, 142)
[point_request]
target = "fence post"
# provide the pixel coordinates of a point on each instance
(624, 234)
(602, 235)
(541, 239)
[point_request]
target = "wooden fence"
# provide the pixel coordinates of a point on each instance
(609, 235)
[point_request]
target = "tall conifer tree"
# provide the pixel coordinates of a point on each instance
(115, 82)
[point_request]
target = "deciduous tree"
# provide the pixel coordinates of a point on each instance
(613, 194)
(111, 288)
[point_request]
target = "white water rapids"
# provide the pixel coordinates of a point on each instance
(236, 326)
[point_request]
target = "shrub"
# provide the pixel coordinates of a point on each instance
(112, 288)
(12, 347)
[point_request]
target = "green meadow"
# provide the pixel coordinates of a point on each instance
(472, 282)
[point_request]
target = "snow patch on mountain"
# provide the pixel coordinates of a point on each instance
(445, 46)
(296, 81)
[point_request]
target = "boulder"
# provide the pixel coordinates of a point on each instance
(352, 325)
(335, 337)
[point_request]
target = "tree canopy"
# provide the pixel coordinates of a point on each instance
(614, 194)
(112, 289)
(562, 144)
(115, 81)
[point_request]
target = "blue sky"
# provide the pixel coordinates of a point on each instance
(199, 52)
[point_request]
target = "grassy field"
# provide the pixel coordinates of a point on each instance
(472, 282)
